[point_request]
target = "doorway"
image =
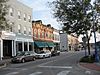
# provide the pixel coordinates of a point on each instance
(7, 48)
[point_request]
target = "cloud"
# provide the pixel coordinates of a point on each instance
(41, 11)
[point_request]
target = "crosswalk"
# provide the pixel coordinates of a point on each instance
(63, 72)
(36, 73)
(39, 73)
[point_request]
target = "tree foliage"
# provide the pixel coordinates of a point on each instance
(3, 12)
(76, 15)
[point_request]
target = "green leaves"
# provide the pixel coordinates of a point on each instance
(75, 14)
(3, 12)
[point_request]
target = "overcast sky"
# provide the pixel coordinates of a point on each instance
(42, 11)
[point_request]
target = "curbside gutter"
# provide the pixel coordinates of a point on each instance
(4, 63)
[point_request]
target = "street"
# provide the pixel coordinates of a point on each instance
(65, 64)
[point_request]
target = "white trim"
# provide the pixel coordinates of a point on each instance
(22, 46)
(28, 45)
(1, 49)
(12, 48)
(24, 40)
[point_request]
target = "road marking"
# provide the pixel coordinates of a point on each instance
(65, 67)
(63, 73)
(36, 73)
(88, 72)
(12, 73)
(16, 68)
(24, 69)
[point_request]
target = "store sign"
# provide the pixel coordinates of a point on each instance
(8, 36)
(24, 39)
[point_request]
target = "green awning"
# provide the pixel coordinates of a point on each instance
(50, 44)
(40, 44)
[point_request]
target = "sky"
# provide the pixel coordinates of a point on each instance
(42, 11)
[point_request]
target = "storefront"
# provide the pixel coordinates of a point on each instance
(39, 45)
(7, 44)
(24, 44)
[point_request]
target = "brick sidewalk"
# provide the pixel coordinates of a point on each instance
(4, 62)
(92, 66)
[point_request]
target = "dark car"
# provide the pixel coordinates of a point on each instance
(55, 53)
(23, 57)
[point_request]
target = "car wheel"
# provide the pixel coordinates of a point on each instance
(49, 56)
(43, 56)
(23, 60)
(33, 59)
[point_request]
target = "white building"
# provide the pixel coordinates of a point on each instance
(56, 39)
(63, 42)
(19, 37)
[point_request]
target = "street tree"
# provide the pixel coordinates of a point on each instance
(3, 12)
(76, 16)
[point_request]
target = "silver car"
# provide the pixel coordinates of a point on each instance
(43, 54)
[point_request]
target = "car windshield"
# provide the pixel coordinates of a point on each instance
(20, 53)
(40, 52)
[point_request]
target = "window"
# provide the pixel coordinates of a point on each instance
(19, 28)
(39, 33)
(11, 24)
(29, 18)
(19, 15)
(11, 11)
(35, 32)
(24, 17)
(24, 30)
(29, 31)
(42, 34)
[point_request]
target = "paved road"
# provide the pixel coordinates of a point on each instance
(65, 64)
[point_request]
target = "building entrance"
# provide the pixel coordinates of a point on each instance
(7, 48)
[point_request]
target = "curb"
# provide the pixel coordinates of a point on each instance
(83, 67)
(3, 65)
(86, 68)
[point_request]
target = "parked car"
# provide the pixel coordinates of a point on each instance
(55, 53)
(23, 57)
(43, 54)
(33, 53)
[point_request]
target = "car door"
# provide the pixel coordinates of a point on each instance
(27, 56)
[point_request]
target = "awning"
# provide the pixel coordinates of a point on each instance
(50, 44)
(40, 44)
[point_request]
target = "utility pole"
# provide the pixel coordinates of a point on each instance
(84, 39)
(94, 31)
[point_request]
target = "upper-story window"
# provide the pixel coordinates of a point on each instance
(24, 17)
(11, 11)
(39, 33)
(35, 33)
(19, 15)
(11, 26)
(42, 34)
(24, 30)
(19, 28)
(29, 18)
(29, 31)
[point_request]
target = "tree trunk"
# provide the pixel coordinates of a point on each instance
(88, 45)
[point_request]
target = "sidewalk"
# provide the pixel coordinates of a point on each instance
(4, 62)
(92, 66)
